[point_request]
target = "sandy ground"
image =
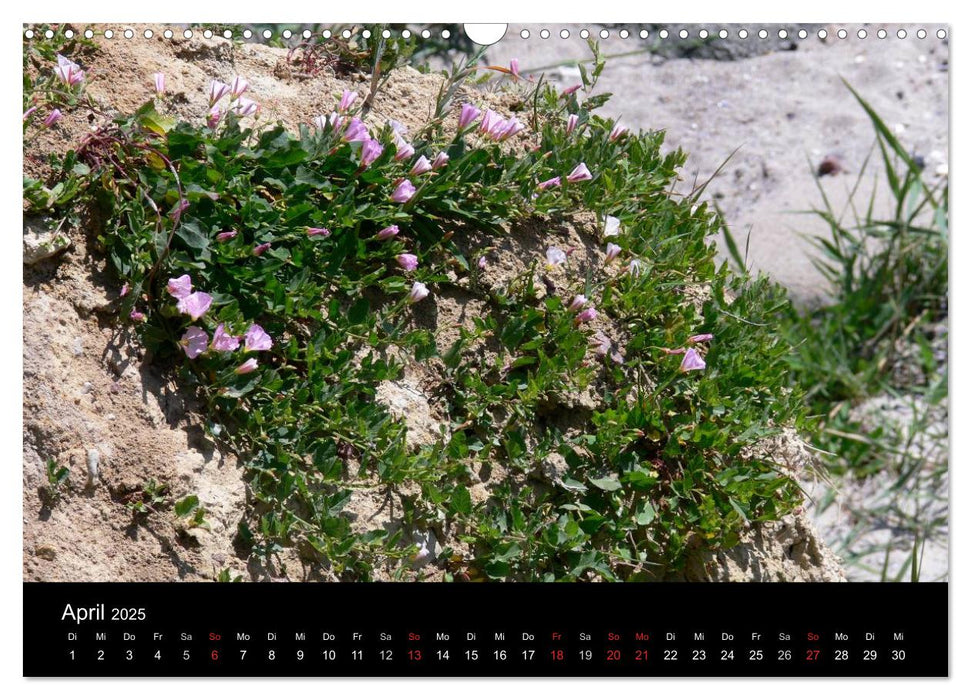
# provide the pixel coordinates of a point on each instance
(785, 111)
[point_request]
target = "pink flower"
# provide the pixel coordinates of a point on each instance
(320, 122)
(407, 261)
(468, 115)
(30, 111)
(482, 262)
(489, 121)
(611, 226)
(555, 256)
(552, 182)
(159, 83)
(223, 341)
(245, 107)
(317, 231)
(512, 127)
(571, 123)
(586, 315)
(701, 338)
(261, 248)
(370, 151)
(579, 301)
(215, 114)
(249, 366)
(441, 160)
(124, 290)
(613, 250)
(136, 315)
(617, 132)
(634, 268)
(51, 118)
(397, 127)
(420, 167)
(195, 305)
(403, 192)
(217, 91)
(356, 131)
(180, 287)
(238, 87)
(404, 150)
(579, 173)
(599, 343)
(387, 232)
(514, 67)
(256, 338)
(68, 71)
(347, 99)
(194, 342)
(571, 90)
(692, 361)
(417, 293)
(225, 236)
(336, 120)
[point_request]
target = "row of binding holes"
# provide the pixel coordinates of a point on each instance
(246, 34)
(724, 34)
(525, 34)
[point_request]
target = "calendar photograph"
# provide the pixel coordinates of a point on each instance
(634, 304)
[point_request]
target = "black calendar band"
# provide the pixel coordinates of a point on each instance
(429, 629)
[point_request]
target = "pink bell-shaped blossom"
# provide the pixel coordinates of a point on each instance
(579, 301)
(417, 293)
(223, 341)
(68, 71)
(403, 192)
(194, 342)
(571, 123)
(249, 366)
(256, 338)
(370, 151)
(440, 161)
(407, 261)
(420, 167)
(613, 250)
(579, 173)
(692, 361)
(217, 91)
(356, 131)
(195, 305)
(180, 287)
(468, 115)
(347, 99)
(159, 79)
(238, 87)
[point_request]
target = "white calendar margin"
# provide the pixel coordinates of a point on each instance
(429, 11)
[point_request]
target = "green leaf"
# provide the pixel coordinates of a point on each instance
(186, 505)
(607, 483)
(461, 501)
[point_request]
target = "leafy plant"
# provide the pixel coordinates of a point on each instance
(57, 478)
(283, 275)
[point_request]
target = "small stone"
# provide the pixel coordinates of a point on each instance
(77, 347)
(87, 388)
(94, 462)
(41, 244)
(46, 551)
